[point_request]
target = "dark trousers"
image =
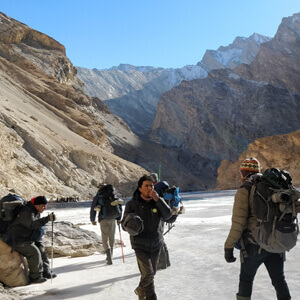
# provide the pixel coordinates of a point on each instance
(34, 258)
(46, 263)
(163, 260)
(274, 263)
(35, 254)
(147, 263)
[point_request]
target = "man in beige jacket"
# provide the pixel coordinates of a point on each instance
(243, 222)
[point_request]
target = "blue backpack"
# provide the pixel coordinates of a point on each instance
(172, 196)
(173, 199)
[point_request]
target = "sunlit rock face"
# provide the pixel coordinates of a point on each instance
(280, 151)
(53, 139)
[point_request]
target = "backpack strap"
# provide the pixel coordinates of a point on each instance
(251, 194)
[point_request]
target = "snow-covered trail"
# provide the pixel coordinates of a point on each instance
(198, 269)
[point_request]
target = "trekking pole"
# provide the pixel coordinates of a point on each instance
(121, 243)
(170, 226)
(51, 270)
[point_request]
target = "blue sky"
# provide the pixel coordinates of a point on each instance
(161, 33)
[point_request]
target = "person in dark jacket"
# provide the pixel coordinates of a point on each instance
(143, 219)
(25, 236)
(107, 225)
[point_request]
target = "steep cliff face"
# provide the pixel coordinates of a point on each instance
(133, 92)
(220, 115)
(241, 51)
(53, 140)
(280, 151)
(278, 61)
(217, 117)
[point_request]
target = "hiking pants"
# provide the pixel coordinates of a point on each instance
(274, 263)
(147, 263)
(46, 264)
(108, 229)
(33, 256)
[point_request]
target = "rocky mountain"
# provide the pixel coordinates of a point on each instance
(56, 140)
(53, 140)
(278, 61)
(241, 51)
(280, 151)
(217, 117)
(131, 91)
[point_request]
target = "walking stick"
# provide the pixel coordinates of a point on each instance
(51, 271)
(121, 243)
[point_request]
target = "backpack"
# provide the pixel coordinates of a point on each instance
(10, 206)
(273, 200)
(173, 199)
(105, 197)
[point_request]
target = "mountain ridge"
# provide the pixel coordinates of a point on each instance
(126, 88)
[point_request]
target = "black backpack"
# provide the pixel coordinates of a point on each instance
(10, 205)
(273, 199)
(105, 197)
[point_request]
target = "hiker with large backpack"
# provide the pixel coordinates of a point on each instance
(143, 220)
(109, 208)
(264, 226)
(24, 234)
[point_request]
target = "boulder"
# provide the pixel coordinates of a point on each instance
(70, 240)
(13, 270)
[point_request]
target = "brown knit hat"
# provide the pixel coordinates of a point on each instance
(250, 165)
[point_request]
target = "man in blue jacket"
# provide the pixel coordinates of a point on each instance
(143, 219)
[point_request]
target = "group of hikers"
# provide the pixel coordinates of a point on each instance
(149, 209)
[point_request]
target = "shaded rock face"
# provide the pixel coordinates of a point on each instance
(13, 270)
(220, 115)
(53, 140)
(217, 117)
(132, 93)
(280, 151)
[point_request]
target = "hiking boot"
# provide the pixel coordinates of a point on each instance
(238, 297)
(116, 202)
(48, 275)
(140, 292)
(108, 257)
(38, 280)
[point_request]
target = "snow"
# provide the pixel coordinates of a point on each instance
(198, 269)
(260, 38)
(224, 57)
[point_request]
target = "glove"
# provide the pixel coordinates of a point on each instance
(94, 223)
(52, 217)
(229, 255)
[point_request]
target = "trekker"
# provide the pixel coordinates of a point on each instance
(106, 217)
(143, 220)
(24, 235)
(159, 187)
(243, 222)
